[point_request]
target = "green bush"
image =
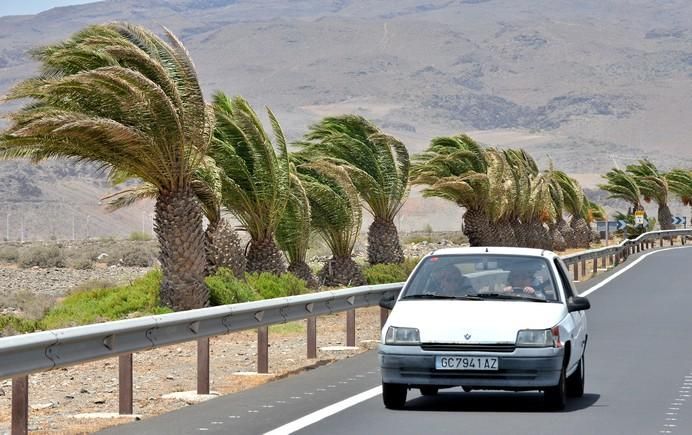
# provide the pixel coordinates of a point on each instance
(385, 273)
(9, 254)
(42, 256)
(225, 288)
(409, 264)
(11, 325)
(139, 236)
(272, 286)
(83, 262)
(103, 304)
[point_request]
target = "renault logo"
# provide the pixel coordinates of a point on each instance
(467, 336)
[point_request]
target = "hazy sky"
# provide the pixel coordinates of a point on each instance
(26, 7)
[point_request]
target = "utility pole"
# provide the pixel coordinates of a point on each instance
(73, 232)
(7, 227)
(21, 232)
(87, 226)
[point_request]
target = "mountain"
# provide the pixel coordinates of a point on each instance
(588, 84)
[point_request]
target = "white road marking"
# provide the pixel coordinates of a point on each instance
(628, 267)
(323, 413)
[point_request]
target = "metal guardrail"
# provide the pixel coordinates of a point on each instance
(22, 355)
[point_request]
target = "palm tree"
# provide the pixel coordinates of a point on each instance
(378, 165)
(653, 185)
(294, 230)
(336, 217)
(570, 195)
(221, 241)
(577, 205)
(255, 179)
(622, 185)
(680, 183)
(459, 170)
(121, 97)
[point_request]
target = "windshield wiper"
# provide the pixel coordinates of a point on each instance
(510, 296)
(434, 296)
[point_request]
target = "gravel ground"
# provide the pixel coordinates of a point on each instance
(56, 398)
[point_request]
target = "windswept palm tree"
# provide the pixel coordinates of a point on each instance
(622, 185)
(680, 183)
(378, 165)
(221, 241)
(294, 231)
(255, 178)
(119, 96)
(336, 217)
(653, 185)
(459, 170)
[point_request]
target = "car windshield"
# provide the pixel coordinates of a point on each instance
(483, 277)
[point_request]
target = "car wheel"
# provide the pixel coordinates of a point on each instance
(393, 395)
(575, 381)
(429, 390)
(556, 396)
(467, 389)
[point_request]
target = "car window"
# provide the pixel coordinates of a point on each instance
(482, 274)
(566, 282)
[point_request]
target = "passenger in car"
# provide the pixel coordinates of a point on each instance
(448, 281)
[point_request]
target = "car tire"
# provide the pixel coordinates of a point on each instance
(394, 395)
(429, 390)
(575, 381)
(556, 396)
(467, 389)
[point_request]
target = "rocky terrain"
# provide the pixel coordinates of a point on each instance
(588, 84)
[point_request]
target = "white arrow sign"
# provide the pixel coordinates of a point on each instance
(621, 225)
(679, 220)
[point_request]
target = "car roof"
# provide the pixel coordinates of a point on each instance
(496, 250)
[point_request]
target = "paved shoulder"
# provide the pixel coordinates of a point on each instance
(268, 406)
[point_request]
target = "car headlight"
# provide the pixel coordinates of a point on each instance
(396, 335)
(539, 338)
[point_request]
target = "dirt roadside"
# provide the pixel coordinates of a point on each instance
(57, 398)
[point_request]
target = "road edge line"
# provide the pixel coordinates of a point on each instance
(325, 412)
(628, 267)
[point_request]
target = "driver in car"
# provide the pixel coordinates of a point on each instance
(522, 280)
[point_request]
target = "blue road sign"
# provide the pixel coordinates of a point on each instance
(679, 220)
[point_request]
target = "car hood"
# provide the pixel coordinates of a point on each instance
(484, 321)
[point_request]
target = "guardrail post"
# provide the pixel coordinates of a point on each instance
(672, 241)
(595, 266)
(583, 268)
(616, 258)
(312, 337)
(604, 262)
(263, 349)
(203, 365)
(575, 270)
(20, 405)
(660, 239)
(125, 384)
(384, 314)
(351, 328)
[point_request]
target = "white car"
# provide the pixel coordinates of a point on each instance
(485, 318)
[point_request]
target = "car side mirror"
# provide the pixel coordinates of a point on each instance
(577, 303)
(388, 302)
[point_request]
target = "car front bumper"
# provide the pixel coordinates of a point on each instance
(524, 368)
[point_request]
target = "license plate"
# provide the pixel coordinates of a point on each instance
(466, 363)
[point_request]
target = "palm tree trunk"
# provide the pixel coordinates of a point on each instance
(265, 256)
(303, 271)
(558, 240)
(178, 227)
(476, 227)
(383, 243)
(341, 271)
(665, 217)
(222, 245)
(505, 233)
(567, 232)
(582, 232)
(520, 234)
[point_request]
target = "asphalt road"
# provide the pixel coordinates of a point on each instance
(639, 380)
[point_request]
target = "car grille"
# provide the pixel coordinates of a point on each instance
(458, 347)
